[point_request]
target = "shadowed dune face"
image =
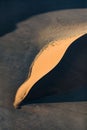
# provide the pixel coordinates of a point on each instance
(44, 62)
(67, 81)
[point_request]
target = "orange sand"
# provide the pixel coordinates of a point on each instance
(44, 62)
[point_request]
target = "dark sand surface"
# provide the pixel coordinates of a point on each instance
(62, 97)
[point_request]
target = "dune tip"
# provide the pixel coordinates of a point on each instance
(16, 106)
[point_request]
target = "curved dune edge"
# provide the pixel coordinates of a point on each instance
(44, 62)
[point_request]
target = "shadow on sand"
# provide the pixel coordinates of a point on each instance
(15, 11)
(67, 82)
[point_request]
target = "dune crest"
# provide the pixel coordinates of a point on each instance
(44, 62)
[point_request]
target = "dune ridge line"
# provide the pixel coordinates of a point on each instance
(49, 56)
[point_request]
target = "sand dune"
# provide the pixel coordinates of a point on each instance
(44, 62)
(62, 93)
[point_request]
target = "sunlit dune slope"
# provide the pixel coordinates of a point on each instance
(44, 62)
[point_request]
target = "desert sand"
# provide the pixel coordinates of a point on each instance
(59, 99)
(44, 62)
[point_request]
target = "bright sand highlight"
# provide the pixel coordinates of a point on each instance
(44, 62)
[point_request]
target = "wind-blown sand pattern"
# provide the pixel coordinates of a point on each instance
(44, 62)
